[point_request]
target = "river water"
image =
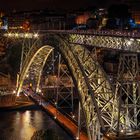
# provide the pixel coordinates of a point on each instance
(21, 125)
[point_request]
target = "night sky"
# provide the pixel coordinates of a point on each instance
(21, 5)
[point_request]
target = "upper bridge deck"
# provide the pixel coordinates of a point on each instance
(109, 39)
(113, 33)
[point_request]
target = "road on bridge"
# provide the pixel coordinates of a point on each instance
(65, 122)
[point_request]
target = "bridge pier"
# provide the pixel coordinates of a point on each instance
(127, 92)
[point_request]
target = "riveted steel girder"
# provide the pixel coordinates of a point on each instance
(64, 86)
(108, 42)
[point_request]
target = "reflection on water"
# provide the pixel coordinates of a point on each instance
(21, 125)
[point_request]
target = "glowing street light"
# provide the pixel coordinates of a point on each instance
(14, 91)
(73, 116)
(39, 90)
(36, 35)
(108, 135)
(26, 35)
(27, 75)
(129, 42)
(17, 94)
(9, 34)
(16, 34)
(77, 138)
(22, 35)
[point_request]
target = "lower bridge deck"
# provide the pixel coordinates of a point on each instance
(65, 122)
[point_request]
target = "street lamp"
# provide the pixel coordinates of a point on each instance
(16, 34)
(14, 91)
(36, 35)
(9, 34)
(77, 138)
(26, 35)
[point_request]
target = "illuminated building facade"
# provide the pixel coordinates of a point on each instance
(35, 20)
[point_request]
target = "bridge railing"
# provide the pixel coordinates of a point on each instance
(119, 33)
(35, 33)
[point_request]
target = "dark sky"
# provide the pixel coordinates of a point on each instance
(20, 5)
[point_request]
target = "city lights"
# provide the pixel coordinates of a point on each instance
(138, 40)
(129, 43)
(39, 91)
(27, 75)
(17, 94)
(21, 35)
(26, 35)
(36, 35)
(73, 116)
(16, 34)
(108, 135)
(77, 138)
(14, 91)
(9, 34)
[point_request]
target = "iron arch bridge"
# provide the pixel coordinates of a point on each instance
(100, 101)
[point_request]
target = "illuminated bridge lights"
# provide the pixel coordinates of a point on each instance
(21, 35)
(129, 43)
(14, 91)
(36, 35)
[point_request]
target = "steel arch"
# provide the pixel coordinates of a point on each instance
(95, 92)
(33, 65)
(100, 87)
(98, 98)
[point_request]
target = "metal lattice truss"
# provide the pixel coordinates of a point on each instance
(81, 84)
(27, 44)
(120, 40)
(98, 81)
(33, 66)
(98, 101)
(96, 95)
(103, 93)
(108, 42)
(127, 90)
(64, 86)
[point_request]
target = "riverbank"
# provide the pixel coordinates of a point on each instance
(20, 106)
